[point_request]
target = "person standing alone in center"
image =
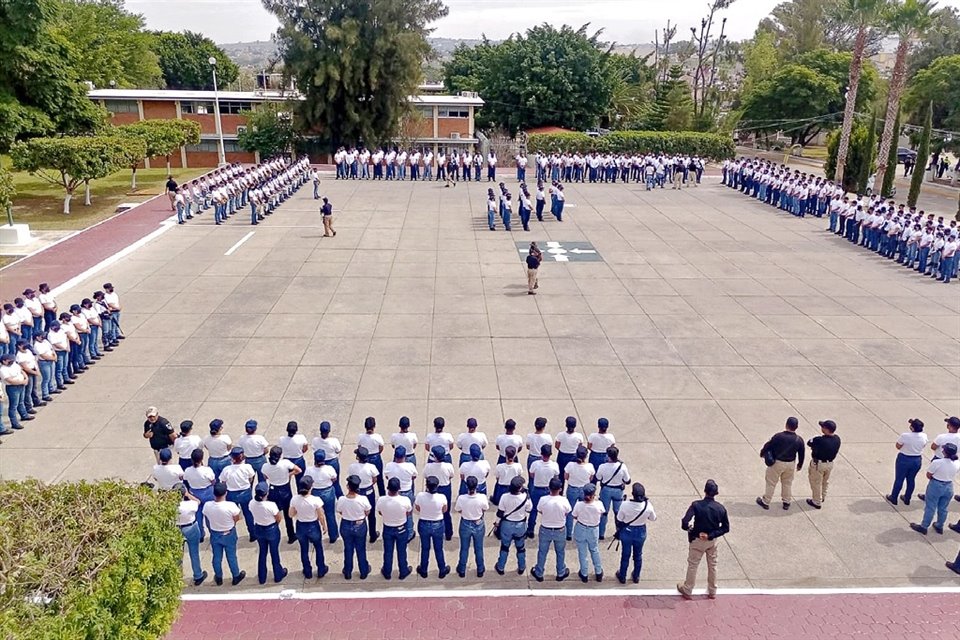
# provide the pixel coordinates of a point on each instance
(533, 269)
(780, 453)
(823, 451)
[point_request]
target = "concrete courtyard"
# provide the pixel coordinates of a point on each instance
(708, 320)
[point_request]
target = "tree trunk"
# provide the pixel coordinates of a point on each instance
(168, 165)
(897, 80)
(133, 180)
(86, 193)
(66, 202)
(849, 110)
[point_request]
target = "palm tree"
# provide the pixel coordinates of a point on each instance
(907, 19)
(865, 14)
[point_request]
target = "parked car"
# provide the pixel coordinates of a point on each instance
(903, 153)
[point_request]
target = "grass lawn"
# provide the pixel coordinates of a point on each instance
(40, 204)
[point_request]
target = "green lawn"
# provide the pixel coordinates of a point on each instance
(40, 204)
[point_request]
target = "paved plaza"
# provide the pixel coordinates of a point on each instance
(705, 322)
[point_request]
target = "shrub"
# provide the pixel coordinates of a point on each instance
(705, 145)
(88, 561)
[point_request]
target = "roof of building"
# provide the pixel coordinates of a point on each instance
(251, 96)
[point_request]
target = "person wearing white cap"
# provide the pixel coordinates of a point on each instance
(158, 431)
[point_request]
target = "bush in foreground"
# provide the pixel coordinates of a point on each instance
(88, 561)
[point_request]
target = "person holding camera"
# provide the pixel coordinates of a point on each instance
(631, 521)
(780, 453)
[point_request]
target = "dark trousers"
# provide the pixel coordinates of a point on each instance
(431, 534)
(354, 543)
(268, 538)
(309, 533)
(281, 495)
(395, 539)
(447, 519)
(631, 541)
(371, 496)
(906, 469)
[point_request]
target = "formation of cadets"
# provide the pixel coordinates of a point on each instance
(228, 190)
(502, 206)
(915, 239)
(43, 348)
(359, 163)
(572, 485)
(653, 170)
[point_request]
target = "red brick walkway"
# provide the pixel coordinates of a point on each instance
(733, 617)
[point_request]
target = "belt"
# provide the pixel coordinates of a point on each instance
(255, 457)
(219, 457)
(553, 528)
(187, 525)
(395, 526)
(280, 486)
(589, 526)
(480, 521)
(354, 521)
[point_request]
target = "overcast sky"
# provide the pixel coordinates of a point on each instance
(623, 21)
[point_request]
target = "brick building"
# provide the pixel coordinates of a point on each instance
(438, 121)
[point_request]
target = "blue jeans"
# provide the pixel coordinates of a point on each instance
(609, 496)
(574, 495)
(588, 548)
(224, 543)
(329, 497)
(218, 465)
(257, 463)
(557, 538)
(535, 494)
(937, 499)
(242, 500)
(410, 496)
(395, 538)
(268, 538)
(281, 496)
(371, 497)
(336, 485)
(471, 534)
(431, 533)
(204, 496)
(376, 460)
(907, 468)
(85, 347)
(15, 395)
(513, 533)
(95, 340)
(631, 545)
(191, 535)
(354, 542)
(309, 533)
(46, 377)
(61, 369)
(447, 518)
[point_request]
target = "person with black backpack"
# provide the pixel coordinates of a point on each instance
(632, 519)
(511, 525)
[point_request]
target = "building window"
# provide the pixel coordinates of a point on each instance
(426, 112)
(210, 146)
(121, 106)
(454, 112)
(234, 107)
(198, 108)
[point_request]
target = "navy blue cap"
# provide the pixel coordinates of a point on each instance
(404, 422)
(581, 453)
(319, 455)
(589, 489)
(236, 452)
(400, 452)
(438, 453)
(324, 427)
(165, 455)
(471, 423)
(261, 490)
(603, 424)
(215, 425)
(251, 425)
(475, 452)
(571, 423)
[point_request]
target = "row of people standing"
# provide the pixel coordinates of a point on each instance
(395, 163)
(230, 189)
(653, 170)
(42, 350)
(502, 205)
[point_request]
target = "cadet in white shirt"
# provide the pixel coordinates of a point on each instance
(368, 475)
(475, 467)
(354, 509)
(222, 517)
(266, 522)
(506, 439)
(612, 476)
(431, 507)
(255, 447)
(468, 438)
(567, 442)
(542, 472)
(373, 443)
(406, 439)
(239, 478)
(396, 511)
(577, 474)
(910, 445)
(553, 510)
(305, 509)
(471, 507)
(406, 473)
(218, 445)
(599, 442)
(187, 523)
(331, 447)
(443, 471)
(940, 474)
(324, 481)
(294, 446)
(631, 524)
(536, 440)
(439, 438)
(505, 472)
(512, 515)
(277, 472)
(199, 479)
(166, 474)
(185, 443)
(587, 513)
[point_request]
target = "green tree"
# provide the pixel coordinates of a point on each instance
(923, 155)
(355, 62)
(679, 113)
(667, 97)
(890, 173)
(632, 83)
(546, 76)
(183, 59)
(855, 158)
(939, 85)
(108, 43)
(941, 39)
(760, 60)
(907, 19)
(270, 131)
(69, 162)
(867, 153)
(7, 192)
(159, 137)
(796, 100)
(40, 90)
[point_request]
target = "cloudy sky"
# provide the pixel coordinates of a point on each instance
(624, 21)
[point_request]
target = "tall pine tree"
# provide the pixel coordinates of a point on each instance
(890, 174)
(673, 107)
(923, 155)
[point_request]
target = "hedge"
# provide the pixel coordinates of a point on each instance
(705, 145)
(88, 561)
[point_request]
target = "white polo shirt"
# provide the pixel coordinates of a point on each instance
(509, 502)
(600, 442)
(508, 471)
(944, 470)
(331, 447)
(323, 476)
(264, 512)
(553, 511)
(471, 507)
(505, 440)
(430, 505)
(220, 515)
(278, 474)
(579, 474)
(184, 445)
(187, 512)
(443, 471)
(542, 471)
(167, 475)
(394, 509)
(406, 440)
(238, 476)
(306, 507)
(535, 442)
(466, 440)
(253, 444)
(612, 474)
(913, 443)
(945, 438)
(199, 477)
(630, 513)
(353, 509)
(569, 441)
(588, 513)
(218, 446)
(405, 472)
(372, 442)
(365, 471)
(292, 445)
(479, 469)
(442, 439)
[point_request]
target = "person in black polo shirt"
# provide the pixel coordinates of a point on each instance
(823, 451)
(780, 453)
(710, 522)
(533, 266)
(158, 431)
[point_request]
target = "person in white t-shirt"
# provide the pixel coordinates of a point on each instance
(222, 517)
(431, 506)
(266, 523)
(406, 473)
(599, 442)
(396, 511)
(910, 445)
(307, 511)
(940, 475)
(406, 439)
(553, 510)
(331, 448)
(587, 513)
(187, 522)
(167, 474)
(567, 442)
(46, 360)
(185, 443)
(632, 522)
(577, 475)
(514, 511)
(353, 510)
(471, 507)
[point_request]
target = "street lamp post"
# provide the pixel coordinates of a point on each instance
(216, 110)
